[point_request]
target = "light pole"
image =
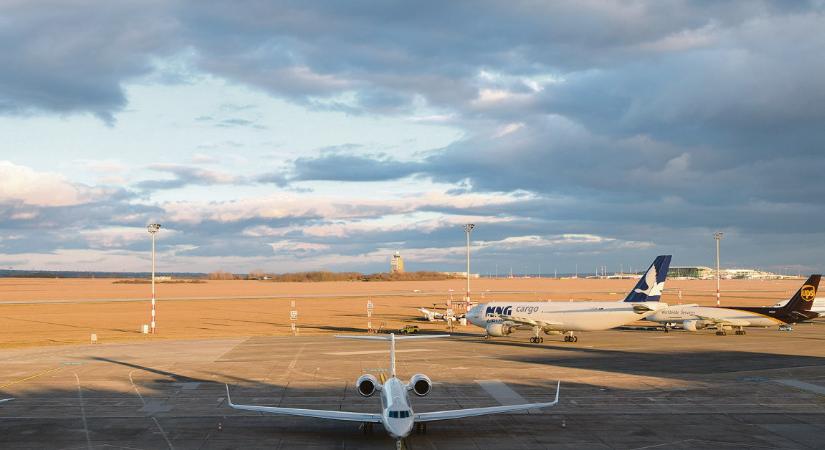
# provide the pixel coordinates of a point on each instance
(153, 228)
(467, 229)
(718, 237)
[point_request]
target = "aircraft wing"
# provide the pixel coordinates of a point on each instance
(316, 413)
(473, 412)
(731, 322)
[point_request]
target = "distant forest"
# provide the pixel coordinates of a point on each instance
(308, 277)
(299, 277)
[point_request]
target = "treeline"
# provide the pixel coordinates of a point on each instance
(317, 276)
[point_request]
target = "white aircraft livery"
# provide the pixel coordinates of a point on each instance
(396, 414)
(693, 317)
(503, 318)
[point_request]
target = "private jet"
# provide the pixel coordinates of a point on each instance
(396, 414)
(503, 318)
(724, 319)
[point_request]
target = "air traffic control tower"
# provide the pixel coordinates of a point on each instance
(397, 263)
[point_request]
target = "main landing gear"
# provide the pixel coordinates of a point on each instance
(721, 332)
(570, 338)
(740, 331)
(536, 339)
(366, 427)
(421, 427)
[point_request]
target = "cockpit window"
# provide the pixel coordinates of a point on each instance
(399, 414)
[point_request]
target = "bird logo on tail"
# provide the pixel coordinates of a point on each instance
(653, 288)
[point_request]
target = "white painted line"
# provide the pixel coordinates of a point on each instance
(815, 388)
(295, 359)
(504, 394)
(374, 352)
(162, 432)
(83, 412)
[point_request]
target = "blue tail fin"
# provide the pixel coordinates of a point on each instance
(650, 286)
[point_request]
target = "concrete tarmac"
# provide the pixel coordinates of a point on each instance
(620, 389)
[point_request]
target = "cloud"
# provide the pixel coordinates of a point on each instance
(183, 175)
(20, 184)
(53, 63)
(648, 122)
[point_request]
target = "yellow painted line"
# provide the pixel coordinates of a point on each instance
(31, 377)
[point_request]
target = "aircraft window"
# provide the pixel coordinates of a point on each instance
(393, 414)
(405, 414)
(399, 414)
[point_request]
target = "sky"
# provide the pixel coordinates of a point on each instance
(289, 136)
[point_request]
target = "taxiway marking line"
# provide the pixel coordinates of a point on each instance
(83, 412)
(31, 377)
(815, 388)
(295, 359)
(160, 428)
(374, 352)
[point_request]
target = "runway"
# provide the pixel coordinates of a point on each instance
(620, 389)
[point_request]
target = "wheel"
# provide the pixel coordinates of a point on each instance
(541, 340)
(575, 339)
(567, 339)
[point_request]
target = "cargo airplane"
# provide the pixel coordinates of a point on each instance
(396, 414)
(818, 306)
(693, 318)
(504, 318)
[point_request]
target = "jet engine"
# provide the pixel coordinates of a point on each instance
(420, 384)
(498, 329)
(692, 325)
(367, 385)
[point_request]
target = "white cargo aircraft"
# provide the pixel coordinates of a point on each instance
(396, 414)
(723, 319)
(503, 318)
(432, 316)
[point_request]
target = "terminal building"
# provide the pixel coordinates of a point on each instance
(707, 273)
(693, 272)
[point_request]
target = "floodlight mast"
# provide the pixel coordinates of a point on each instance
(153, 228)
(718, 237)
(467, 229)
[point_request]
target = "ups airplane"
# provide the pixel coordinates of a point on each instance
(504, 318)
(396, 414)
(693, 318)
